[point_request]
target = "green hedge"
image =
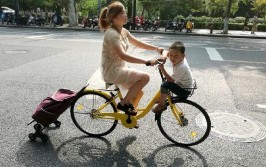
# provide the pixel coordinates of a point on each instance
(262, 27)
(232, 26)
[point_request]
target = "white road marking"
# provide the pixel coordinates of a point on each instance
(261, 105)
(40, 36)
(250, 62)
(96, 80)
(50, 37)
(214, 55)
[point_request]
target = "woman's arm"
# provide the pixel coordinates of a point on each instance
(118, 50)
(163, 56)
(141, 44)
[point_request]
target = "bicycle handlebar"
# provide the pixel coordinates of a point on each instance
(161, 74)
(159, 62)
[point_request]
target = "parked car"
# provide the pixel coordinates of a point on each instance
(7, 15)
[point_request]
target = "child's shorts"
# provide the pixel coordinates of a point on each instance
(174, 88)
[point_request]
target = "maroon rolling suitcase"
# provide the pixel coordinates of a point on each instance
(49, 109)
(53, 106)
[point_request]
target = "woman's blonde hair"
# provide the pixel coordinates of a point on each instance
(108, 13)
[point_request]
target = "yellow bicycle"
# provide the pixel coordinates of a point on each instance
(184, 123)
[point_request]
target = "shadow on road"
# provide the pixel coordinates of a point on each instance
(166, 156)
(88, 151)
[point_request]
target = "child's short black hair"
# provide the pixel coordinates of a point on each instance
(179, 46)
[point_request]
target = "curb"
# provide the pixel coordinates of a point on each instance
(146, 32)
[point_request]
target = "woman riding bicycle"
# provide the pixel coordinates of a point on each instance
(114, 57)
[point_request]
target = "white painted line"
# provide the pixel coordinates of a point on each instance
(40, 36)
(214, 55)
(261, 105)
(96, 80)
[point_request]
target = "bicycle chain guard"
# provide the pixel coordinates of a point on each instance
(128, 121)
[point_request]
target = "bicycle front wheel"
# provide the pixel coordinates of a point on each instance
(83, 108)
(192, 128)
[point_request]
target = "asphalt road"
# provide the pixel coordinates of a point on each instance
(230, 73)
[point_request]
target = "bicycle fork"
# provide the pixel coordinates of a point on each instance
(178, 113)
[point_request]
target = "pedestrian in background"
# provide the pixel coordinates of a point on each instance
(211, 25)
(254, 24)
(246, 22)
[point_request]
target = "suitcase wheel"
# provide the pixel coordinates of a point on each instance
(57, 124)
(37, 127)
(32, 136)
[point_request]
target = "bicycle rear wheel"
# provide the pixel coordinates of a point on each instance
(190, 133)
(82, 114)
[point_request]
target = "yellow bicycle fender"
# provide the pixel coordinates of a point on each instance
(97, 91)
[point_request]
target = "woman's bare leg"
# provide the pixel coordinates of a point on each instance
(135, 89)
(136, 100)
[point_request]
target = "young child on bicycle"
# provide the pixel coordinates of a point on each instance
(180, 79)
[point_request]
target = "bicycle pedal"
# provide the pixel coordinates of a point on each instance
(136, 127)
(130, 114)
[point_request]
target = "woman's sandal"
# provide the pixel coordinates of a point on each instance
(128, 109)
(159, 109)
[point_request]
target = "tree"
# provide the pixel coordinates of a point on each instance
(260, 7)
(227, 16)
(222, 8)
(90, 7)
(72, 18)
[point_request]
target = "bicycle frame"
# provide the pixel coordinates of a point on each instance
(100, 111)
(130, 121)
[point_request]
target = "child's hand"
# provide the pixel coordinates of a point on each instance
(159, 50)
(161, 66)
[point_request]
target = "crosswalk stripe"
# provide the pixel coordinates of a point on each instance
(214, 55)
(261, 105)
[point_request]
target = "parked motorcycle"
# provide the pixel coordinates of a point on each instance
(11, 19)
(37, 20)
(87, 22)
(40, 20)
(95, 22)
(189, 26)
(31, 20)
(171, 25)
(181, 25)
(56, 20)
(147, 24)
(156, 24)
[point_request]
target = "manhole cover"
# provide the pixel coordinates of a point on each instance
(15, 51)
(234, 127)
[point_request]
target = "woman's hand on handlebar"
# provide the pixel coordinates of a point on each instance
(151, 62)
(161, 60)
